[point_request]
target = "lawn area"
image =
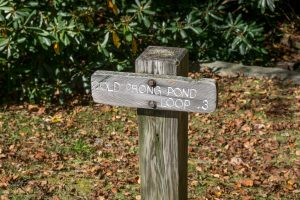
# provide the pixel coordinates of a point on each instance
(248, 149)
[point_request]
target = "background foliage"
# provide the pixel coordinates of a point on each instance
(48, 49)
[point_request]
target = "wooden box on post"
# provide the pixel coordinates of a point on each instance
(163, 139)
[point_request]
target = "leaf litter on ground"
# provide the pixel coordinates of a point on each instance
(247, 149)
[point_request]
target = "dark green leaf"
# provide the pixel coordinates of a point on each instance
(45, 41)
(21, 40)
(6, 8)
(128, 37)
(183, 34)
(149, 12)
(146, 21)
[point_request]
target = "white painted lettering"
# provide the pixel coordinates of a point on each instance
(179, 103)
(116, 87)
(109, 89)
(150, 90)
(128, 87)
(134, 88)
(193, 93)
(103, 84)
(177, 92)
(175, 103)
(186, 103)
(185, 92)
(205, 106)
(142, 89)
(170, 102)
(163, 103)
(157, 91)
(170, 91)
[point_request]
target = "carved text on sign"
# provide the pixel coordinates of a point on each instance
(164, 93)
(146, 89)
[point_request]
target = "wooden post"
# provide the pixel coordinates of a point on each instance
(163, 98)
(163, 135)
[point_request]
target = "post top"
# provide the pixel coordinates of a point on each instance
(163, 53)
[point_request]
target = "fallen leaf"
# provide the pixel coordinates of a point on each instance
(57, 118)
(274, 178)
(138, 197)
(11, 147)
(236, 161)
(105, 108)
(114, 190)
(194, 183)
(247, 145)
(41, 110)
(44, 182)
(109, 173)
(95, 169)
(247, 182)
(291, 184)
(82, 131)
(216, 175)
(3, 184)
(246, 128)
(259, 126)
(238, 184)
(33, 108)
(218, 193)
(4, 197)
(23, 134)
(199, 169)
(246, 198)
(55, 198)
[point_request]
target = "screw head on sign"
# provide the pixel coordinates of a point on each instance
(152, 104)
(152, 83)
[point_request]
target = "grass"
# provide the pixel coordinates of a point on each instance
(89, 152)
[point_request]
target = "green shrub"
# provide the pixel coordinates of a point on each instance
(50, 48)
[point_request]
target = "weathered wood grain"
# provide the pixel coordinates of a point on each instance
(161, 92)
(163, 134)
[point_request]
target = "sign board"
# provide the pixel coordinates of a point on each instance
(161, 92)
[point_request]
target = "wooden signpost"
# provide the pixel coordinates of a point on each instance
(163, 96)
(159, 92)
